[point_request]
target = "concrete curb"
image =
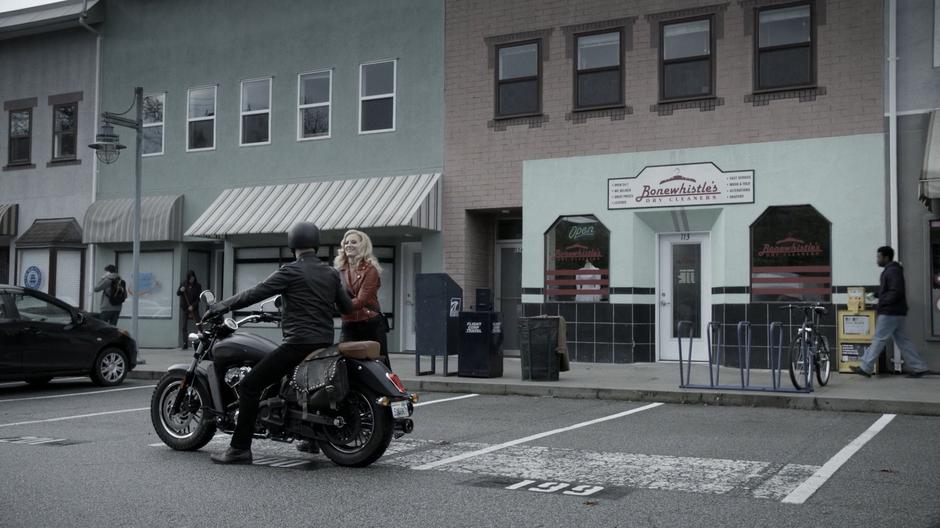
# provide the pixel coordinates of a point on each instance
(807, 402)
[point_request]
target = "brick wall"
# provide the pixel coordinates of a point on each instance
(483, 163)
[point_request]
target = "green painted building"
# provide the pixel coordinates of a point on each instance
(257, 116)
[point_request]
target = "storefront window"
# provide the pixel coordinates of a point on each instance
(791, 258)
(33, 269)
(577, 260)
(935, 277)
(253, 265)
(68, 276)
(154, 287)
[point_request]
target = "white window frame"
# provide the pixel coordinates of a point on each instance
(215, 113)
(393, 93)
(161, 124)
(268, 110)
(301, 107)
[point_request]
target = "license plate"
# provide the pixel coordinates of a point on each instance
(400, 409)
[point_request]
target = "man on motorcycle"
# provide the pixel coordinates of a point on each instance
(310, 293)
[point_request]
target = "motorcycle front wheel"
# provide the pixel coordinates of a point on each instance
(190, 428)
(364, 437)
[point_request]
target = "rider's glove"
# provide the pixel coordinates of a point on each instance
(214, 310)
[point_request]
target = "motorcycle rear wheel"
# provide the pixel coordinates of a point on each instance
(191, 428)
(366, 435)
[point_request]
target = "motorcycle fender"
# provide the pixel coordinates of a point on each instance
(202, 378)
(372, 375)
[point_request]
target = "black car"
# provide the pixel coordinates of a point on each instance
(42, 337)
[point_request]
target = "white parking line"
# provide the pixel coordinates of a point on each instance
(76, 417)
(817, 479)
(511, 443)
(432, 402)
(76, 394)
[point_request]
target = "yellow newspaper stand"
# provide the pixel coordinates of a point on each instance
(856, 327)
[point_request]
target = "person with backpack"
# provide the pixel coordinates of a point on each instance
(113, 294)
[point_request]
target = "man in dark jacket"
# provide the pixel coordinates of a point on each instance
(892, 310)
(310, 293)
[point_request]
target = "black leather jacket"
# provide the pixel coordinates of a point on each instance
(310, 293)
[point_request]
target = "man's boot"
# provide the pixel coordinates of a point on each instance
(233, 456)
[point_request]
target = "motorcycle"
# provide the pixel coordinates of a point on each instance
(192, 402)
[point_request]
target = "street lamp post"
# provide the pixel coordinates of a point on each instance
(108, 149)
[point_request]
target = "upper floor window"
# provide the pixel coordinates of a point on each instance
(313, 107)
(21, 137)
(153, 124)
(377, 96)
(200, 118)
(687, 60)
(519, 79)
(784, 54)
(256, 112)
(64, 127)
(599, 70)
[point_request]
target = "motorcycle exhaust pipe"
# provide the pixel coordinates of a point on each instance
(405, 426)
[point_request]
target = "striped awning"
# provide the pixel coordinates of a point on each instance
(391, 201)
(112, 221)
(8, 219)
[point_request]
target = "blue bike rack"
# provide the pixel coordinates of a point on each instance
(743, 347)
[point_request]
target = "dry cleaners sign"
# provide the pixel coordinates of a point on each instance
(680, 186)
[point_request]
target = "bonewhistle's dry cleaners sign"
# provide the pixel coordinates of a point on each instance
(680, 186)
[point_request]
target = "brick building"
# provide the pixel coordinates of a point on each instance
(557, 114)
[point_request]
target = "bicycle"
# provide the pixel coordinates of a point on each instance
(809, 350)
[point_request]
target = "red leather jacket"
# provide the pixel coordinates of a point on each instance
(363, 285)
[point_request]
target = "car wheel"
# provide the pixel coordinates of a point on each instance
(110, 367)
(39, 382)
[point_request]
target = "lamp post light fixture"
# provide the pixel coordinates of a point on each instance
(108, 148)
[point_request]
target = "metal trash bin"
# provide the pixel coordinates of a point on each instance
(539, 346)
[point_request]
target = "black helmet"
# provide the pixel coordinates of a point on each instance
(303, 235)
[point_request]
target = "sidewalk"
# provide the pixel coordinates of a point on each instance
(657, 382)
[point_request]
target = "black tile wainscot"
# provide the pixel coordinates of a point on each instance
(604, 332)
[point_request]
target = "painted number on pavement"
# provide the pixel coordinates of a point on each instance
(577, 490)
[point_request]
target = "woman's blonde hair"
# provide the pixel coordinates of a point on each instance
(365, 251)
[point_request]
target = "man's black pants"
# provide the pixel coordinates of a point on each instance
(270, 370)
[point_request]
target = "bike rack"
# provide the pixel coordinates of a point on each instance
(743, 346)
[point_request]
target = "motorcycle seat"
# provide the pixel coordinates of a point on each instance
(360, 349)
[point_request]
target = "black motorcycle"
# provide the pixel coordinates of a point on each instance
(352, 414)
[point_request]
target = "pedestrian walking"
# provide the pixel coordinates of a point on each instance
(892, 311)
(360, 272)
(188, 293)
(112, 298)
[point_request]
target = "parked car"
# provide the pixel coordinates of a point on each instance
(42, 337)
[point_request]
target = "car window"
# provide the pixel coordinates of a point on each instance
(35, 309)
(3, 307)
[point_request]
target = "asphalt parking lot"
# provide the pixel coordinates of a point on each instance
(72, 454)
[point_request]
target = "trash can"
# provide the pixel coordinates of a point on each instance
(540, 348)
(481, 345)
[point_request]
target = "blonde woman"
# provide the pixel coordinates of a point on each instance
(360, 271)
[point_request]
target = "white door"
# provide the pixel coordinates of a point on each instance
(410, 266)
(683, 294)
